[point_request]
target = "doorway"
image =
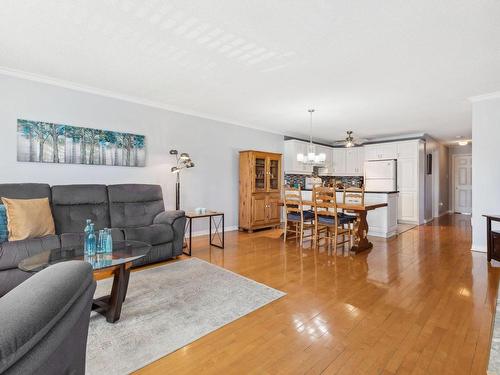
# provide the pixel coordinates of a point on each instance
(462, 183)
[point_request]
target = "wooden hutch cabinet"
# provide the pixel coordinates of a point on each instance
(260, 190)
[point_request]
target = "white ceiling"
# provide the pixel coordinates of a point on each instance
(379, 68)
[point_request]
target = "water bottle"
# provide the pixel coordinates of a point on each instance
(101, 241)
(108, 246)
(91, 241)
(86, 236)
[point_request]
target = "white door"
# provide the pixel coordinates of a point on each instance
(462, 177)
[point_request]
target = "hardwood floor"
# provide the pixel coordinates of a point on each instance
(419, 303)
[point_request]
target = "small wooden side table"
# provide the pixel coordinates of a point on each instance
(215, 220)
(493, 238)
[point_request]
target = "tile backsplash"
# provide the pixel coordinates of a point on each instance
(300, 180)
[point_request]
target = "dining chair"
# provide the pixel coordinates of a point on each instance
(355, 196)
(327, 220)
(297, 219)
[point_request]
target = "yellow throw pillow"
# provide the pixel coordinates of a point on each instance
(28, 218)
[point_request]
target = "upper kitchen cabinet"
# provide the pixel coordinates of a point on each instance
(408, 149)
(327, 169)
(381, 151)
(292, 166)
(355, 161)
(339, 161)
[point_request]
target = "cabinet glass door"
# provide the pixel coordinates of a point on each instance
(274, 174)
(260, 174)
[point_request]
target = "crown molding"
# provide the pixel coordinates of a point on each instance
(480, 98)
(126, 98)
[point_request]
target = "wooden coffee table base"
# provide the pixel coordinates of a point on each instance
(111, 306)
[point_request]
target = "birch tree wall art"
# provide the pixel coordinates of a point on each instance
(44, 142)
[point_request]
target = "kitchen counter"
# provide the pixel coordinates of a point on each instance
(382, 222)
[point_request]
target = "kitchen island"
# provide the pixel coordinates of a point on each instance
(382, 222)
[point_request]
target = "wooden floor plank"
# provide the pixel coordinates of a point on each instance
(418, 303)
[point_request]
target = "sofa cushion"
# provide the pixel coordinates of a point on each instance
(4, 232)
(295, 216)
(134, 205)
(28, 218)
(11, 253)
(72, 205)
(154, 234)
(25, 191)
(330, 220)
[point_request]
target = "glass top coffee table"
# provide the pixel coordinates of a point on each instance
(116, 264)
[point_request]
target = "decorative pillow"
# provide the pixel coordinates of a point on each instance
(28, 218)
(4, 233)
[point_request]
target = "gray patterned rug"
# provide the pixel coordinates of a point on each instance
(494, 363)
(167, 308)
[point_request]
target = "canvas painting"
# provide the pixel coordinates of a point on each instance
(45, 142)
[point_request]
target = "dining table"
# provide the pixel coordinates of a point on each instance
(361, 242)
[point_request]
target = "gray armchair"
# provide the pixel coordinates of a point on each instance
(45, 321)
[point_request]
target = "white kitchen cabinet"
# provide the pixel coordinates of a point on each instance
(409, 156)
(409, 173)
(291, 165)
(407, 149)
(381, 151)
(327, 169)
(408, 207)
(339, 161)
(354, 161)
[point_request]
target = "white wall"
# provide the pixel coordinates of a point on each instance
(485, 166)
(213, 145)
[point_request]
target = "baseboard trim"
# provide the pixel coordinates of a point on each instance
(480, 249)
(205, 232)
(445, 213)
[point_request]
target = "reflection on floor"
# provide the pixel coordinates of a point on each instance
(419, 303)
(404, 228)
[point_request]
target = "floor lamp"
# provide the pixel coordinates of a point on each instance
(183, 161)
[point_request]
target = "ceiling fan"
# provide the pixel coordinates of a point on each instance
(350, 141)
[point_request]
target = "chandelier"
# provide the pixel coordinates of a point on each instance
(311, 157)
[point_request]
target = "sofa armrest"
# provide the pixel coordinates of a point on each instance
(168, 217)
(33, 312)
(177, 219)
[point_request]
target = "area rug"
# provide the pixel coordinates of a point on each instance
(167, 308)
(494, 362)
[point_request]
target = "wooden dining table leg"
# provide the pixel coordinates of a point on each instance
(361, 242)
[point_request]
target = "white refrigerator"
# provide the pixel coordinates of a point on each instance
(381, 175)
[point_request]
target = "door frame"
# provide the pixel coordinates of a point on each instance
(453, 162)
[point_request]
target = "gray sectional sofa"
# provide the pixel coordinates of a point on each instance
(133, 211)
